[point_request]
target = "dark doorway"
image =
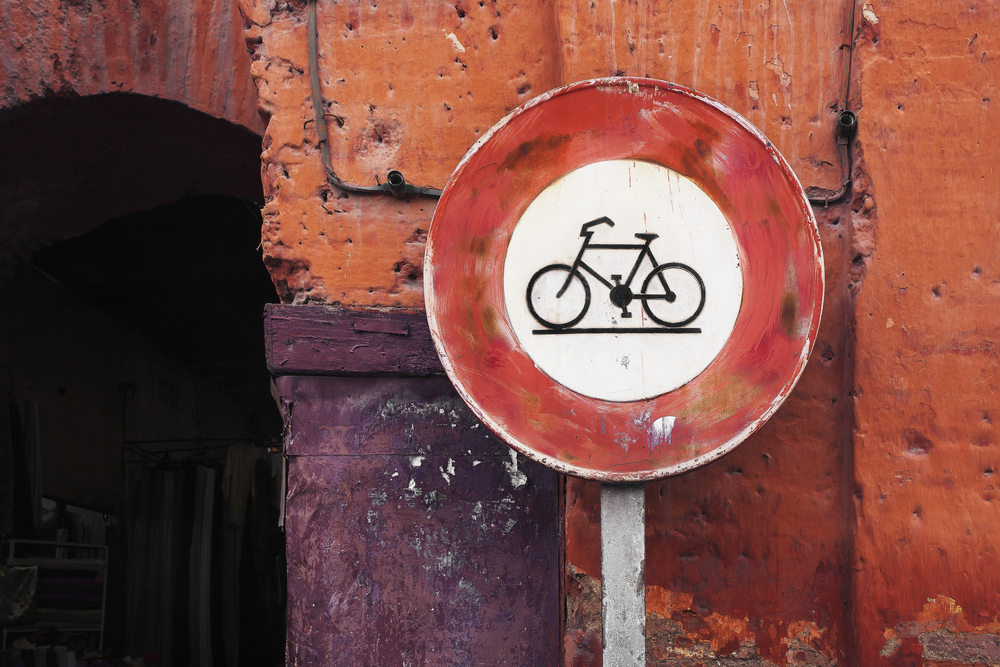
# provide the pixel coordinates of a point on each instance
(131, 295)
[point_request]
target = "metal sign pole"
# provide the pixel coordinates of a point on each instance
(623, 574)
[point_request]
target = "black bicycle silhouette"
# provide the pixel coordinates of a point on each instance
(666, 307)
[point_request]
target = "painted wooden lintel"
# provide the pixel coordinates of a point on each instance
(328, 340)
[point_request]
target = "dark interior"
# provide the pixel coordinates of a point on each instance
(132, 368)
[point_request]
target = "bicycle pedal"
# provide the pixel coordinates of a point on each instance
(626, 314)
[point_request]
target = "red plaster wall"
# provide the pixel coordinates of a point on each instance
(927, 454)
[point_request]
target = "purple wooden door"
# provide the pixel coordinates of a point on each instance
(414, 536)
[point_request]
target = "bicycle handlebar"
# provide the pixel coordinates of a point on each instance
(585, 230)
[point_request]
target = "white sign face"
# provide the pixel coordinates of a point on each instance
(622, 280)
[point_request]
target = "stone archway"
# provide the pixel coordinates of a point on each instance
(188, 51)
(72, 163)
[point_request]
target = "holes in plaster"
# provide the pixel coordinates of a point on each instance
(494, 32)
(915, 442)
(936, 291)
(827, 353)
(977, 271)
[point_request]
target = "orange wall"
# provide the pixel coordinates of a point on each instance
(926, 449)
(858, 527)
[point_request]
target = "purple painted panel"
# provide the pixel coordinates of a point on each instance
(323, 340)
(358, 415)
(414, 536)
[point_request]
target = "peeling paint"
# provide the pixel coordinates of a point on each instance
(455, 43)
(660, 431)
(517, 478)
(868, 12)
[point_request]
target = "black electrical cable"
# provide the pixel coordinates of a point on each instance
(395, 184)
(847, 124)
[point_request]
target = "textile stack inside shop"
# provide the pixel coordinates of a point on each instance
(206, 556)
(70, 597)
(195, 578)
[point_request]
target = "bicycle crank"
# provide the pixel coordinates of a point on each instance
(621, 296)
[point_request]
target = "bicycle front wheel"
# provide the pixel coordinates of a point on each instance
(673, 294)
(548, 306)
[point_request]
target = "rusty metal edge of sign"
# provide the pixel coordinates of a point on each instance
(802, 356)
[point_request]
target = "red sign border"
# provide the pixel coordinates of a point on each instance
(780, 253)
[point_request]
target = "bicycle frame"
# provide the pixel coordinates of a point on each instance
(643, 249)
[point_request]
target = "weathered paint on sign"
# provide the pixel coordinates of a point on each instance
(648, 435)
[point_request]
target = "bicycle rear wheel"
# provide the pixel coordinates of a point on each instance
(673, 294)
(551, 309)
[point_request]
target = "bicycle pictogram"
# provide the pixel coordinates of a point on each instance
(672, 294)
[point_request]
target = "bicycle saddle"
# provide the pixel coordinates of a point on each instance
(647, 237)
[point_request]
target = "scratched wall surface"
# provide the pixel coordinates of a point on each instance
(927, 582)
(414, 536)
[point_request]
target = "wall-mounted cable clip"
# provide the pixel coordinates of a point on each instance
(847, 125)
(395, 184)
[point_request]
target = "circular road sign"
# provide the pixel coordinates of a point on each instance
(624, 279)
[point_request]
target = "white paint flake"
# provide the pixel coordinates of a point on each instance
(660, 431)
(517, 478)
(448, 471)
(457, 45)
